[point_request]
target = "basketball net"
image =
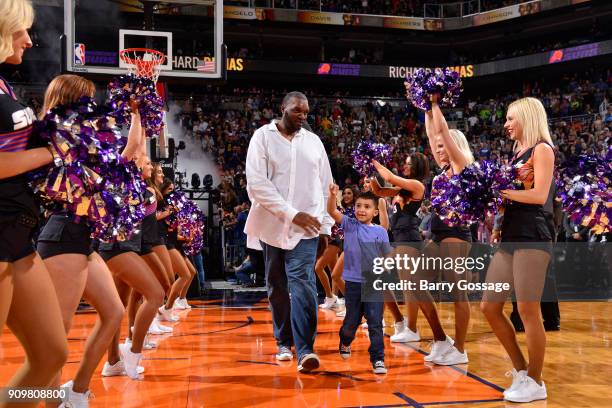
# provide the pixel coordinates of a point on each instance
(143, 62)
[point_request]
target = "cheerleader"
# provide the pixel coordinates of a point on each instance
(157, 178)
(334, 249)
(153, 246)
(452, 153)
(152, 253)
(404, 226)
(27, 297)
(131, 272)
(76, 269)
(177, 258)
(524, 252)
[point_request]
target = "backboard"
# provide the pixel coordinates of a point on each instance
(188, 32)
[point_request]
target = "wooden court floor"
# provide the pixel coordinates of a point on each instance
(222, 355)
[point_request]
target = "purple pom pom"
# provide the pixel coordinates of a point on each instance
(366, 152)
(187, 220)
(88, 177)
(129, 87)
(471, 195)
(122, 196)
(195, 230)
(498, 178)
(585, 190)
(424, 83)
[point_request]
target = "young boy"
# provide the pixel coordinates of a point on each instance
(363, 241)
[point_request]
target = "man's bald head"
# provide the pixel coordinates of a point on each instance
(295, 94)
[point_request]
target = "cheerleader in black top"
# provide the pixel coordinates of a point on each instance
(404, 227)
(27, 297)
(76, 269)
(157, 178)
(524, 253)
(180, 264)
(153, 251)
(132, 272)
(153, 245)
(452, 153)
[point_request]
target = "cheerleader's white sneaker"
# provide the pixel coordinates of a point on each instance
(439, 348)
(526, 390)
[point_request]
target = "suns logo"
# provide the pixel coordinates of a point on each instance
(23, 118)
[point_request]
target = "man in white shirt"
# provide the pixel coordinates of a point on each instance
(288, 175)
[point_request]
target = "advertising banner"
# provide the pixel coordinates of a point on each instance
(313, 17)
(400, 72)
(239, 13)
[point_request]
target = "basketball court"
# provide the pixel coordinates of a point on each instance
(222, 354)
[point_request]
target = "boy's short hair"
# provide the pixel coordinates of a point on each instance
(368, 195)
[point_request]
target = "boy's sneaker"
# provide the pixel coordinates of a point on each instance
(284, 354)
(117, 369)
(451, 357)
(329, 303)
(308, 363)
(439, 348)
(341, 312)
(345, 351)
(517, 376)
(526, 390)
(379, 367)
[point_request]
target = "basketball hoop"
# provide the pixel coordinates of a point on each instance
(143, 62)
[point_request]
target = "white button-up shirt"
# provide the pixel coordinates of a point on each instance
(283, 178)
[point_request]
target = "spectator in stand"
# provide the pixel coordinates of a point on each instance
(228, 196)
(241, 213)
(608, 118)
(223, 120)
(485, 152)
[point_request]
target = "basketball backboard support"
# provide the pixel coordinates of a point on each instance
(188, 32)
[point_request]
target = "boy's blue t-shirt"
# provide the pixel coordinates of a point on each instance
(362, 243)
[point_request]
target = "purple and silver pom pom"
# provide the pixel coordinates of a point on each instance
(187, 220)
(584, 187)
(88, 177)
(471, 195)
(366, 152)
(424, 83)
(126, 88)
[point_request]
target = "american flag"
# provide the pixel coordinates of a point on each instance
(206, 66)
